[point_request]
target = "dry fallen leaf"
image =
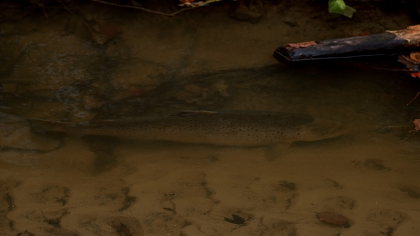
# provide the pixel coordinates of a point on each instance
(415, 74)
(415, 56)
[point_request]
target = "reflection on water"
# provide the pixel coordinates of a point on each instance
(202, 173)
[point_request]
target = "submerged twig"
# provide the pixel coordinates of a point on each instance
(145, 9)
(414, 98)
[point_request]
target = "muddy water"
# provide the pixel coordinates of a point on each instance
(53, 69)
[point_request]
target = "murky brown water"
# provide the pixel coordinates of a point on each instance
(52, 69)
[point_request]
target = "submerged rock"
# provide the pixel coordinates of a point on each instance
(333, 218)
(248, 10)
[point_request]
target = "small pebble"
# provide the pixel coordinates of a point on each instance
(333, 218)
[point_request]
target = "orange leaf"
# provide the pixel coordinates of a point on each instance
(415, 74)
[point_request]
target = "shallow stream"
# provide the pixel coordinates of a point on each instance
(69, 184)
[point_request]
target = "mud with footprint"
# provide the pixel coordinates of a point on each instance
(194, 210)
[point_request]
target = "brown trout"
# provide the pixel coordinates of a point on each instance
(233, 128)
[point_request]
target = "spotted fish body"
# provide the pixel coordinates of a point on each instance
(238, 128)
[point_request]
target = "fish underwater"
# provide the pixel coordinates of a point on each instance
(225, 128)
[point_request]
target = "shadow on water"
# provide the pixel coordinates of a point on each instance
(103, 149)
